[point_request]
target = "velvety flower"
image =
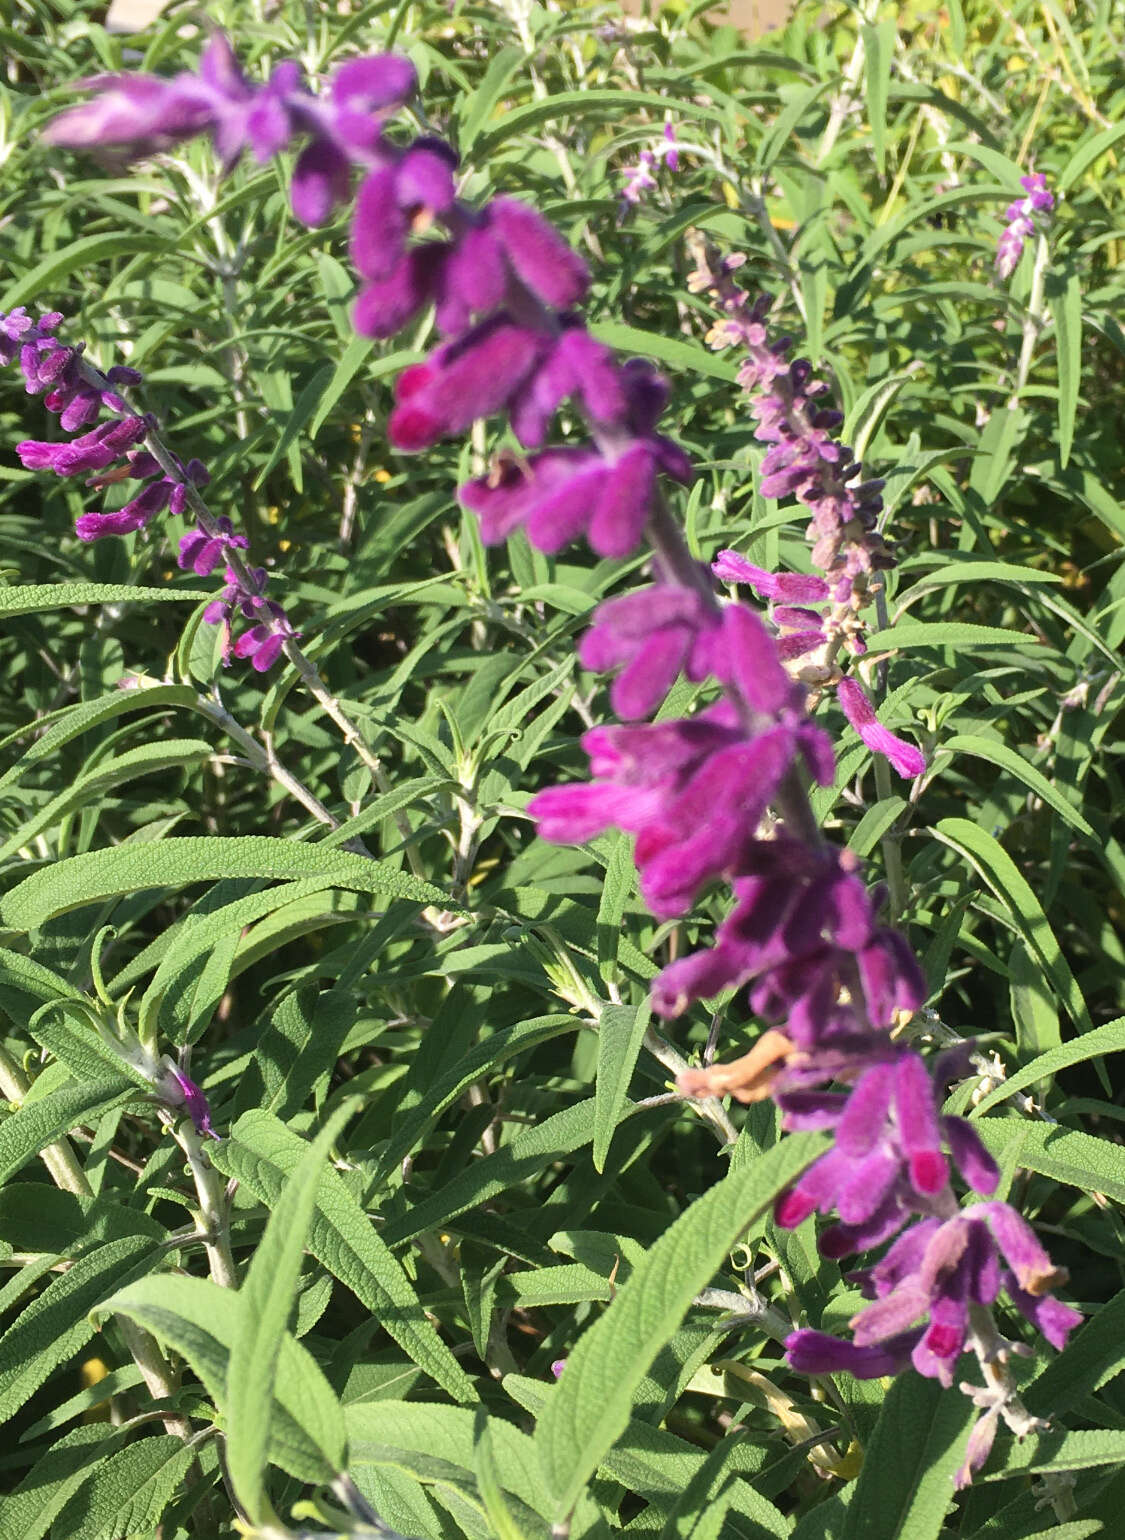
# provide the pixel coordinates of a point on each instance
(398, 199)
(93, 451)
(560, 494)
(244, 595)
(906, 759)
(641, 179)
(194, 1102)
(474, 376)
(151, 500)
(693, 791)
(802, 932)
(938, 1270)
(817, 1352)
(647, 639)
(202, 550)
(135, 115)
(1020, 217)
(787, 587)
(887, 1150)
(540, 258)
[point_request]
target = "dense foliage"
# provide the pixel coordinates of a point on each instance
(352, 1181)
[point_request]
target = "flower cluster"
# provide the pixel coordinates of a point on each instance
(640, 179)
(1021, 221)
(114, 451)
(716, 797)
(502, 281)
(814, 616)
(105, 454)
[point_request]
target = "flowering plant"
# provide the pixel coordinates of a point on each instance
(353, 1027)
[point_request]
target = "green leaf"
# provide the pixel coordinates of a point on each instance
(260, 1153)
(482, 1059)
(621, 1031)
(55, 1325)
(40, 1123)
(128, 1492)
(32, 978)
(380, 1430)
(474, 108)
(150, 759)
(993, 863)
(685, 357)
(1034, 1014)
(27, 1512)
(906, 1483)
(75, 720)
(874, 824)
(298, 415)
(351, 361)
(911, 634)
(869, 411)
(1091, 1358)
(1087, 153)
(579, 104)
(199, 1320)
(85, 254)
(174, 863)
(1065, 1155)
(998, 753)
(589, 1409)
(1060, 1450)
(620, 876)
(998, 443)
(265, 1300)
(527, 1154)
(1066, 307)
(30, 598)
(879, 47)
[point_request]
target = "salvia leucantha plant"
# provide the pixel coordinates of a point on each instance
(238, 1400)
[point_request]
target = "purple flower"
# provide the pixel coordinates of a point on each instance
(816, 1352)
(1020, 217)
(395, 200)
(563, 493)
(202, 550)
(887, 1154)
(143, 114)
(693, 791)
(803, 931)
(244, 594)
(472, 377)
(640, 179)
(907, 760)
(648, 639)
(93, 451)
(194, 1102)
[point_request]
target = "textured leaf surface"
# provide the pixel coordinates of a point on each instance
(55, 1324)
(34, 597)
(175, 863)
(265, 1299)
(906, 1483)
(590, 1406)
(261, 1152)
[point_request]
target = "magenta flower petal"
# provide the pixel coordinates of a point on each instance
(906, 759)
(815, 1352)
(970, 1157)
(321, 178)
(372, 84)
(538, 253)
(379, 225)
(622, 508)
